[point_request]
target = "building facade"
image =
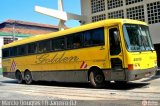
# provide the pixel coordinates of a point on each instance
(143, 10)
(20, 30)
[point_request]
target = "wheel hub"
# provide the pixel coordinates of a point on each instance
(99, 78)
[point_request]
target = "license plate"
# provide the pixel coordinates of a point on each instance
(146, 75)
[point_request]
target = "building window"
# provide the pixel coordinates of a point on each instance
(136, 13)
(8, 40)
(98, 18)
(128, 2)
(116, 14)
(114, 3)
(153, 10)
(97, 5)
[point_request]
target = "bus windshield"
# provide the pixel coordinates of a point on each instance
(137, 37)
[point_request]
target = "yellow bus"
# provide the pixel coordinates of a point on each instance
(117, 50)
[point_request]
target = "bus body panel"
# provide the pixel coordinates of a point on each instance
(74, 65)
(70, 63)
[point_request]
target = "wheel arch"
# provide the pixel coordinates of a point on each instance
(26, 70)
(17, 72)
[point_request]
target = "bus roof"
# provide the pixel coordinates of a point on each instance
(108, 22)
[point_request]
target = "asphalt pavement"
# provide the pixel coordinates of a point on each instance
(136, 93)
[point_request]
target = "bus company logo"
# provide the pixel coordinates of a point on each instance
(56, 58)
(83, 65)
(13, 66)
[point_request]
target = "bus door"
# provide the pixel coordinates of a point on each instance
(116, 55)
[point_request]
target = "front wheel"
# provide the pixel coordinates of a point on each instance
(97, 79)
(28, 77)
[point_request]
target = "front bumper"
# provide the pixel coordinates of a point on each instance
(138, 74)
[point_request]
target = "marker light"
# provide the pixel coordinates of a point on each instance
(130, 67)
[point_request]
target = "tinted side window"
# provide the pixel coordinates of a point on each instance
(5, 53)
(44, 46)
(74, 41)
(13, 51)
(32, 48)
(87, 38)
(94, 37)
(98, 36)
(22, 50)
(58, 44)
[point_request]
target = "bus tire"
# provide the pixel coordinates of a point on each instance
(19, 77)
(97, 79)
(28, 77)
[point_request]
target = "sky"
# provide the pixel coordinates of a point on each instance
(24, 10)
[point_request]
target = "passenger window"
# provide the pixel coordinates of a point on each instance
(87, 38)
(5, 53)
(94, 37)
(58, 44)
(22, 50)
(13, 51)
(32, 48)
(44, 46)
(98, 36)
(74, 41)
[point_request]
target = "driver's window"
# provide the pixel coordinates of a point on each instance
(115, 48)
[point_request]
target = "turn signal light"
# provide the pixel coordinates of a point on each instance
(130, 67)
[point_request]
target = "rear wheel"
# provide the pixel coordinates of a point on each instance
(28, 77)
(97, 79)
(19, 77)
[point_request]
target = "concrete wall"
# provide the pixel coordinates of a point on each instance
(154, 28)
(86, 10)
(155, 32)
